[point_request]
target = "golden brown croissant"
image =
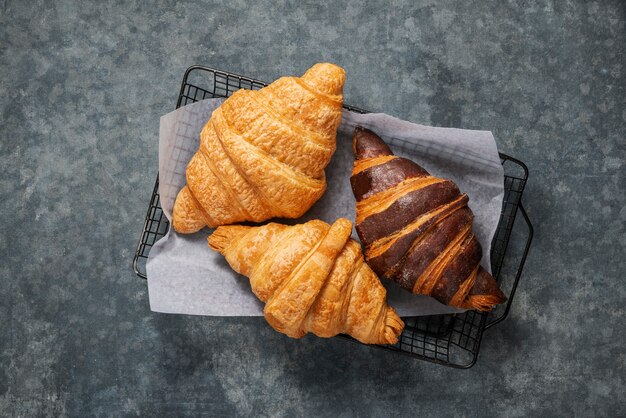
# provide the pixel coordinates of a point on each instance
(312, 278)
(263, 153)
(417, 228)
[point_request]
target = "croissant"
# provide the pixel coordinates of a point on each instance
(262, 153)
(417, 228)
(312, 278)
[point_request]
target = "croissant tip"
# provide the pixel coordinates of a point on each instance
(485, 293)
(345, 222)
(327, 77)
(367, 144)
(327, 67)
(186, 217)
(484, 303)
(393, 327)
(223, 236)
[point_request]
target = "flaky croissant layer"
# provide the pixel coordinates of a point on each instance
(417, 228)
(312, 278)
(263, 153)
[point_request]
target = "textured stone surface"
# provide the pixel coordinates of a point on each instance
(82, 87)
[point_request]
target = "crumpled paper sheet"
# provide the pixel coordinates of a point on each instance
(186, 277)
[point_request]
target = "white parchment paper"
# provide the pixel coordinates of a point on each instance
(186, 277)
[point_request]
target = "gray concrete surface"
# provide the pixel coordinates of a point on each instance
(82, 87)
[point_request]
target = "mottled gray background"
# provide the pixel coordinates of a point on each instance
(82, 87)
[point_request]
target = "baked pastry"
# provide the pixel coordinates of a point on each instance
(417, 228)
(312, 278)
(262, 154)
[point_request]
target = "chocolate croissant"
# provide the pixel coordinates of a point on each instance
(262, 154)
(312, 278)
(417, 228)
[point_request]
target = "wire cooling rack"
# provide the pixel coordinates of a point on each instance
(451, 340)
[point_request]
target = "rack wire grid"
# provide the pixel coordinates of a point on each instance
(452, 340)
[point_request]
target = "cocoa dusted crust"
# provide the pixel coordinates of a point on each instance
(458, 270)
(384, 176)
(404, 210)
(413, 262)
(416, 228)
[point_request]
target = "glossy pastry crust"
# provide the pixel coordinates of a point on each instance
(312, 278)
(417, 228)
(263, 153)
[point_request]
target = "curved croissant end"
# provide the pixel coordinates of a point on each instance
(312, 278)
(326, 78)
(417, 228)
(263, 153)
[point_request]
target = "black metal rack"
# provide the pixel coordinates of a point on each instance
(451, 340)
